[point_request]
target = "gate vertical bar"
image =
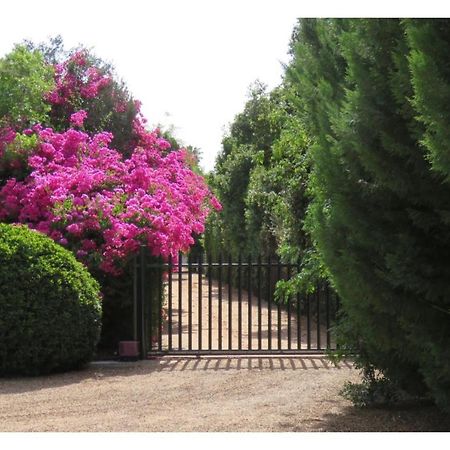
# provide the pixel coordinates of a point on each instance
(259, 305)
(189, 301)
(289, 330)
(230, 315)
(170, 343)
(279, 306)
(200, 281)
(209, 303)
(338, 305)
(327, 299)
(150, 326)
(308, 320)
(220, 302)
(299, 317)
(240, 302)
(138, 304)
(269, 303)
(135, 299)
(318, 315)
(143, 298)
(249, 299)
(180, 301)
(159, 308)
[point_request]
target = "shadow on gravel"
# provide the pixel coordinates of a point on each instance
(175, 364)
(102, 370)
(93, 372)
(410, 418)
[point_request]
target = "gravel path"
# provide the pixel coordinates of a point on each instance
(207, 394)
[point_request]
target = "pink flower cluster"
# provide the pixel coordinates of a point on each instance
(77, 119)
(7, 135)
(74, 78)
(85, 196)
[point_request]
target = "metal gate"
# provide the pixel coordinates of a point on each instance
(205, 307)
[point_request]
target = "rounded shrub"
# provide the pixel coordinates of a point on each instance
(50, 311)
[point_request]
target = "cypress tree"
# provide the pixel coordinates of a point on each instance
(379, 212)
(429, 61)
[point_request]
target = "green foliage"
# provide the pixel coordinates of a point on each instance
(430, 41)
(261, 177)
(49, 305)
(15, 157)
(118, 318)
(246, 147)
(230, 183)
(375, 390)
(24, 79)
(379, 392)
(117, 308)
(378, 218)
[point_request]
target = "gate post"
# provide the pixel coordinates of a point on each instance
(141, 291)
(148, 295)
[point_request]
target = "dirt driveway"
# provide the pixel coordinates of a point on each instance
(208, 394)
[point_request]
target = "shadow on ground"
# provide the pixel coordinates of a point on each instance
(94, 371)
(106, 369)
(413, 418)
(250, 363)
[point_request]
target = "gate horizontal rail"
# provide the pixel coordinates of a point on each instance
(204, 307)
(167, 265)
(236, 352)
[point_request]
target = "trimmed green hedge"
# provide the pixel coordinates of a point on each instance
(50, 310)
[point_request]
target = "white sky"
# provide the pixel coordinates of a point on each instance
(189, 62)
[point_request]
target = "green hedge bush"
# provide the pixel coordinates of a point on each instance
(50, 311)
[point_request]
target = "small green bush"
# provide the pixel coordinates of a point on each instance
(50, 311)
(376, 391)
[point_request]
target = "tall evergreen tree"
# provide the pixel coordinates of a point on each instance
(378, 216)
(429, 61)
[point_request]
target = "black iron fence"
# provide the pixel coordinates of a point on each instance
(200, 306)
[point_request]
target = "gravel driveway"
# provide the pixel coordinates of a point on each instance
(204, 394)
(207, 394)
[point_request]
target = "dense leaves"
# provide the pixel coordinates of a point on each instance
(24, 80)
(49, 305)
(346, 166)
(429, 41)
(260, 179)
(378, 217)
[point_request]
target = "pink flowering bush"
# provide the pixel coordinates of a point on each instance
(86, 196)
(94, 179)
(83, 84)
(100, 196)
